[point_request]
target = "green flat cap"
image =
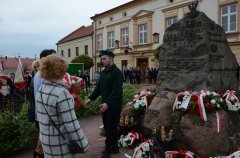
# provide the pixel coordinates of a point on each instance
(106, 52)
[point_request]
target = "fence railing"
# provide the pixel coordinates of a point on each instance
(14, 102)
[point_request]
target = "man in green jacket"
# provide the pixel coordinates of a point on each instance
(109, 86)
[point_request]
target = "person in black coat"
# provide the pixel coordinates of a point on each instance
(109, 87)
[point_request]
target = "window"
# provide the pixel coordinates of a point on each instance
(125, 39)
(99, 42)
(156, 37)
(142, 33)
(171, 21)
(86, 49)
(77, 51)
(229, 17)
(124, 14)
(69, 53)
(111, 18)
(111, 40)
(62, 53)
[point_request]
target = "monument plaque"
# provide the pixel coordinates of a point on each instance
(195, 53)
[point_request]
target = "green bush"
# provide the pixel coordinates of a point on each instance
(129, 91)
(16, 133)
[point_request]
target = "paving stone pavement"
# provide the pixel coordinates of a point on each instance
(90, 126)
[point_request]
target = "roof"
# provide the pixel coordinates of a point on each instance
(119, 8)
(83, 31)
(12, 63)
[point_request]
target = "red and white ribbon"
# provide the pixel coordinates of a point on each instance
(139, 148)
(184, 104)
(201, 107)
(133, 136)
(173, 154)
(219, 123)
(229, 95)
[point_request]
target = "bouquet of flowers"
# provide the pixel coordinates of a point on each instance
(143, 99)
(231, 100)
(129, 140)
(211, 101)
(75, 84)
(143, 150)
(179, 154)
(198, 102)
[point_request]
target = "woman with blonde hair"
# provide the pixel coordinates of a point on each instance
(55, 110)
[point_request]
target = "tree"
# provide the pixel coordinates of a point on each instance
(88, 61)
(157, 52)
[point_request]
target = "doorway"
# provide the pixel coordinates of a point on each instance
(143, 64)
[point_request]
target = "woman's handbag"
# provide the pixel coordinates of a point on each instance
(73, 146)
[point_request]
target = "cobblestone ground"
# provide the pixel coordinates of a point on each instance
(90, 126)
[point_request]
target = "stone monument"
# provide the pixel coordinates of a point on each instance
(195, 55)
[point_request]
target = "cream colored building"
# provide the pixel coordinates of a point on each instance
(139, 25)
(77, 43)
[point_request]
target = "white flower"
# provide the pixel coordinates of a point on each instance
(135, 96)
(221, 100)
(179, 103)
(73, 82)
(213, 101)
(136, 105)
(215, 94)
(144, 148)
(204, 94)
(218, 105)
(232, 98)
(186, 93)
(125, 144)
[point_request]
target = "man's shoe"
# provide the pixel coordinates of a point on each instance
(105, 154)
(114, 150)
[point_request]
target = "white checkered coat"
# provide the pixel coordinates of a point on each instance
(60, 106)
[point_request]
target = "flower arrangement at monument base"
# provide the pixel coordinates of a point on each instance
(199, 102)
(231, 100)
(130, 140)
(179, 154)
(142, 100)
(143, 150)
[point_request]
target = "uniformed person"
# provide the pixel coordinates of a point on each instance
(109, 86)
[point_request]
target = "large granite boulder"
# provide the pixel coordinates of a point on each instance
(195, 54)
(159, 112)
(203, 137)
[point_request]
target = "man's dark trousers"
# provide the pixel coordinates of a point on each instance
(111, 121)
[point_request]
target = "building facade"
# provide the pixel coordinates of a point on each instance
(135, 29)
(77, 43)
(10, 64)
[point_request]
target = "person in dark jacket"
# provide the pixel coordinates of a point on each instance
(109, 87)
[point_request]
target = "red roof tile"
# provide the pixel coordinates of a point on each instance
(12, 63)
(83, 31)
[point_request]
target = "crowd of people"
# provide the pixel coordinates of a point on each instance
(138, 76)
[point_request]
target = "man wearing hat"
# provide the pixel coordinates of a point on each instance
(109, 87)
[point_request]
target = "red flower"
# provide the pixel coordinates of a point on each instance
(192, 111)
(210, 107)
(194, 97)
(205, 100)
(180, 97)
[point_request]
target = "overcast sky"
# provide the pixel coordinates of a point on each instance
(29, 26)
